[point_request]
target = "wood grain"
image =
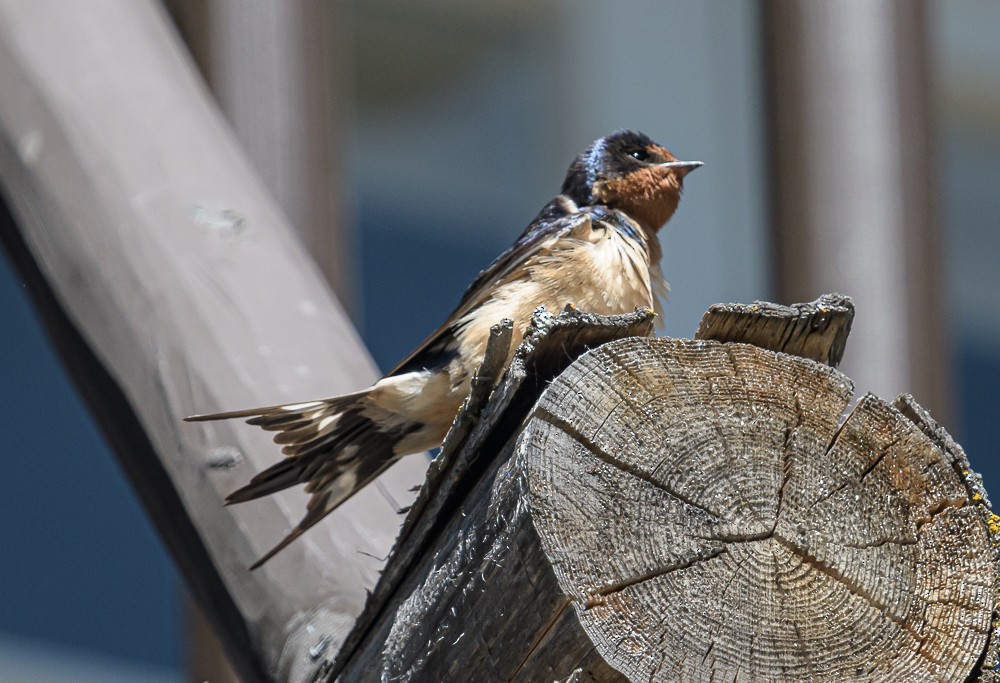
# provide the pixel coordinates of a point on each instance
(710, 518)
(690, 510)
(816, 330)
(679, 510)
(445, 579)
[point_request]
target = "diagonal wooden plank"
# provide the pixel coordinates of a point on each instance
(174, 285)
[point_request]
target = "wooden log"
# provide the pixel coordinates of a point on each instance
(702, 511)
(276, 70)
(746, 535)
(279, 73)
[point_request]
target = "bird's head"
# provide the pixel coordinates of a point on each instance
(628, 171)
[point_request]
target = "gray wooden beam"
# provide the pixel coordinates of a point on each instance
(277, 71)
(173, 285)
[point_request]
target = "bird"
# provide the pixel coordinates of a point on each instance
(593, 246)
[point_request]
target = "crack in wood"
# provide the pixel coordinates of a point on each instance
(708, 650)
(938, 508)
(878, 460)
(570, 430)
(835, 441)
(878, 544)
(833, 492)
(597, 598)
(841, 578)
(664, 652)
(557, 615)
(722, 597)
(869, 599)
(736, 538)
(785, 594)
(786, 460)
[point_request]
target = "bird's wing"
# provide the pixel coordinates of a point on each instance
(440, 347)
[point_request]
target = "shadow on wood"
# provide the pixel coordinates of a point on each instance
(695, 510)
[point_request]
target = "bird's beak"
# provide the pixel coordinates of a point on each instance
(682, 167)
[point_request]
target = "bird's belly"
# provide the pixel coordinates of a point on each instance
(606, 276)
(423, 402)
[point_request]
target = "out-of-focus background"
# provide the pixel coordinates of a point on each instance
(850, 145)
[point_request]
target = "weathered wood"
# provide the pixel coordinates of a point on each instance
(816, 330)
(172, 285)
(279, 73)
(275, 69)
(988, 669)
(731, 530)
(468, 453)
(702, 511)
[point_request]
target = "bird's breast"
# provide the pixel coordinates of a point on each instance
(608, 273)
(599, 271)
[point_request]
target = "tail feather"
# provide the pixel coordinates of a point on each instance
(277, 477)
(300, 467)
(293, 422)
(349, 428)
(331, 485)
(307, 431)
(333, 446)
(267, 416)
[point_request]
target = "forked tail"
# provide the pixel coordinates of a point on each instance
(332, 447)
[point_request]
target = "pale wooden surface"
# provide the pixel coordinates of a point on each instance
(988, 670)
(172, 286)
(709, 520)
(816, 330)
(279, 71)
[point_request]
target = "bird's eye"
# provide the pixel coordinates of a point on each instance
(639, 155)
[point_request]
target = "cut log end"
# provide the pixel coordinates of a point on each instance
(719, 519)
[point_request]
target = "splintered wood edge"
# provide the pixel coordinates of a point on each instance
(428, 501)
(556, 341)
(817, 330)
(483, 383)
(551, 343)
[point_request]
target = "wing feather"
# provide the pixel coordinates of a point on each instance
(558, 218)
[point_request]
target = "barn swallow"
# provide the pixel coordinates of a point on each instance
(593, 246)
